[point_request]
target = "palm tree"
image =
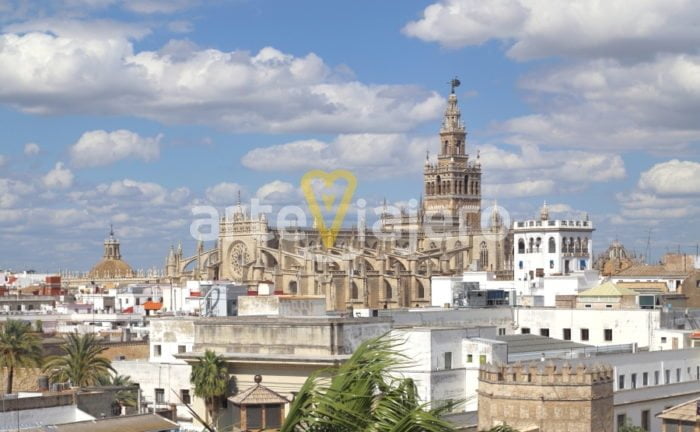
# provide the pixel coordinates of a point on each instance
(81, 363)
(365, 394)
(126, 397)
(503, 428)
(210, 379)
(19, 347)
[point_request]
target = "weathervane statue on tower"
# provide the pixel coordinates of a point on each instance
(454, 83)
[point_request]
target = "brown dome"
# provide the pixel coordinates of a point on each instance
(110, 268)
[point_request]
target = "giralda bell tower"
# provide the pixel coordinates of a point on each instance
(453, 184)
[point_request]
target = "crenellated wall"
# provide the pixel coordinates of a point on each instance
(553, 398)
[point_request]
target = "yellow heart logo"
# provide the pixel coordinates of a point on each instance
(328, 235)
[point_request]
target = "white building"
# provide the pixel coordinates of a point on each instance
(599, 327)
(547, 247)
(164, 379)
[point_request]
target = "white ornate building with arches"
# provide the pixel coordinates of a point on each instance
(548, 247)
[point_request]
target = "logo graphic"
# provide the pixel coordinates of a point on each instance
(326, 183)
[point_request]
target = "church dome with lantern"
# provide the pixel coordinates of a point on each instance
(111, 266)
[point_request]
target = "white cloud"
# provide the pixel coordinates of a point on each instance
(81, 29)
(58, 178)
(31, 149)
(375, 155)
(268, 91)
(532, 171)
(543, 28)
(525, 188)
(668, 190)
(278, 192)
(607, 104)
(99, 147)
(224, 193)
(180, 26)
(674, 177)
(11, 191)
(158, 6)
(150, 192)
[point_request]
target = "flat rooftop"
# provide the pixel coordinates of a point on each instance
(529, 343)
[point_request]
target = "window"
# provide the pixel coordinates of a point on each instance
(678, 375)
(633, 378)
(608, 335)
(584, 334)
(567, 334)
(621, 420)
(448, 360)
(551, 264)
(645, 379)
(525, 330)
(254, 416)
(663, 339)
(501, 331)
(482, 359)
(646, 424)
(185, 396)
(588, 305)
(667, 376)
(656, 377)
(620, 382)
(181, 349)
(544, 332)
(157, 351)
(160, 396)
(470, 358)
(273, 416)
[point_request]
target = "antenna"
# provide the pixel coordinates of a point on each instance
(648, 251)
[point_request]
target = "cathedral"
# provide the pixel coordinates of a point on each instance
(363, 268)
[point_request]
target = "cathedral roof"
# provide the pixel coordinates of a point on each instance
(111, 268)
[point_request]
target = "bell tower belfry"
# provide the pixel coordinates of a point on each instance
(452, 185)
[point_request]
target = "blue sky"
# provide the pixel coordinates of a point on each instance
(132, 112)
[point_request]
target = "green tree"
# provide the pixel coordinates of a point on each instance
(126, 397)
(629, 427)
(364, 394)
(210, 379)
(19, 347)
(82, 363)
(503, 428)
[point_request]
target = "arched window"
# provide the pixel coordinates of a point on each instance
(552, 245)
(421, 290)
(439, 185)
(293, 287)
(563, 244)
(484, 256)
(354, 292)
(387, 290)
(521, 246)
(538, 242)
(532, 245)
(577, 246)
(584, 245)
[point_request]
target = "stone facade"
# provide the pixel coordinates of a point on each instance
(364, 268)
(546, 397)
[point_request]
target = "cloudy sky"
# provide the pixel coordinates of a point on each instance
(131, 112)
